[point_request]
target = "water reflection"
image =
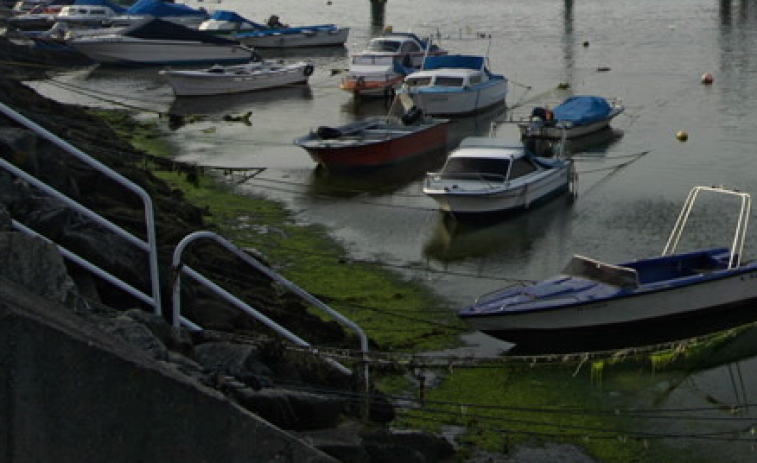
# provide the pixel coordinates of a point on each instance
(226, 104)
(507, 237)
(374, 182)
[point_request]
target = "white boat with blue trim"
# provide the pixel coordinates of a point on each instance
(487, 175)
(455, 85)
(595, 305)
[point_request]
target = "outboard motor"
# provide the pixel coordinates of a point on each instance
(412, 116)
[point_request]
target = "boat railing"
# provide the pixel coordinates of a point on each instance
(742, 221)
(149, 247)
(179, 269)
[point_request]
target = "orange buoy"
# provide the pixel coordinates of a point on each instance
(707, 79)
(682, 135)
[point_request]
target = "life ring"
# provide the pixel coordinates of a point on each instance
(308, 71)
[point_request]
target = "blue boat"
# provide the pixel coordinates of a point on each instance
(276, 35)
(575, 117)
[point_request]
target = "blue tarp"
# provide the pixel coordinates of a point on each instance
(582, 109)
(160, 9)
(230, 16)
(454, 61)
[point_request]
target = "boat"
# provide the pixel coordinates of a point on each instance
(274, 34)
(575, 117)
(455, 85)
(595, 305)
(159, 42)
(488, 175)
(258, 74)
(374, 142)
(382, 67)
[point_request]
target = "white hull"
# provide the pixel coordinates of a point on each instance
(480, 197)
(459, 101)
(197, 83)
(127, 50)
(640, 308)
(305, 39)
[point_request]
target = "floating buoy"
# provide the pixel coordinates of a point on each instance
(707, 79)
(603, 69)
(586, 44)
(682, 135)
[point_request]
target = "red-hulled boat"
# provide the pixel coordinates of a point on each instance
(376, 142)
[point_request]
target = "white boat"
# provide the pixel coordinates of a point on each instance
(159, 42)
(273, 34)
(594, 305)
(382, 67)
(455, 85)
(575, 117)
(486, 175)
(219, 80)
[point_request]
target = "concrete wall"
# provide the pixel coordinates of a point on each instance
(69, 394)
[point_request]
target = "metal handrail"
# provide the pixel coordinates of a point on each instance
(150, 246)
(178, 269)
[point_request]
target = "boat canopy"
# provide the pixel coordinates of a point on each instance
(159, 29)
(161, 9)
(582, 109)
(454, 62)
(233, 17)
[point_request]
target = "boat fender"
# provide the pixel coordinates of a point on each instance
(308, 71)
(412, 116)
(328, 133)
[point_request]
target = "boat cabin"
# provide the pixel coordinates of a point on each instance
(484, 158)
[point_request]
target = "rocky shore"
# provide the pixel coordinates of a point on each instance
(234, 356)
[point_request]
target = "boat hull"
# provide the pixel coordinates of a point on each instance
(120, 50)
(200, 83)
(504, 199)
(382, 151)
(300, 39)
(459, 101)
(666, 314)
(371, 87)
(558, 130)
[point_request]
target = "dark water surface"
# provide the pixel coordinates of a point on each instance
(650, 54)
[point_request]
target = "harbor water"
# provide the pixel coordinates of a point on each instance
(650, 55)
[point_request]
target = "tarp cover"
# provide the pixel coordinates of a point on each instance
(159, 29)
(454, 61)
(232, 17)
(582, 109)
(160, 9)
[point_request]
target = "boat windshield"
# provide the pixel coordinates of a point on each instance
(418, 81)
(492, 169)
(384, 45)
(443, 81)
(591, 269)
(372, 60)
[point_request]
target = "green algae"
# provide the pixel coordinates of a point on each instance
(497, 406)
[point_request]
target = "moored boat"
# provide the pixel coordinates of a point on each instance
(575, 117)
(219, 80)
(486, 175)
(376, 142)
(381, 68)
(455, 85)
(595, 305)
(159, 42)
